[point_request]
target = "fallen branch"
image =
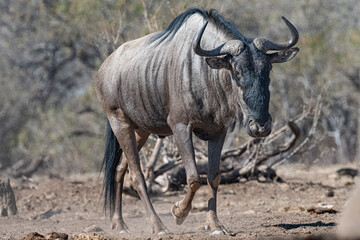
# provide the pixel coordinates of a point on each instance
(249, 169)
(30, 169)
(308, 137)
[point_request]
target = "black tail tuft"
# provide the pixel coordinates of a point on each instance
(111, 161)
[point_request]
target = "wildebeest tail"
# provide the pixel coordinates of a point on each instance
(111, 160)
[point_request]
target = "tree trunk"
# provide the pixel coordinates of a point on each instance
(7, 199)
(357, 156)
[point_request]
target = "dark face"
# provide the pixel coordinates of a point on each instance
(250, 65)
(251, 70)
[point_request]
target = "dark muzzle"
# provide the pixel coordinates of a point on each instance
(258, 129)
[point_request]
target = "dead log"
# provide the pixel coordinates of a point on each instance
(29, 170)
(351, 172)
(7, 199)
(150, 165)
(250, 168)
(310, 135)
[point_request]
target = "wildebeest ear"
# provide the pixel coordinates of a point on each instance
(218, 62)
(283, 56)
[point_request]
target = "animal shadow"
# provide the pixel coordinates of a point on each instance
(297, 225)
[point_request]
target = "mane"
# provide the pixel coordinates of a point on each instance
(212, 15)
(175, 25)
(226, 27)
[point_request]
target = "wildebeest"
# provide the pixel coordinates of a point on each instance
(200, 75)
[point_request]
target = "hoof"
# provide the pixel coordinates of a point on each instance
(162, 233)
(217, 232)
(181, 219)
(120, 227)
(158, 228)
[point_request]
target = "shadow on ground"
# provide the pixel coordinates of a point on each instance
(297, 225)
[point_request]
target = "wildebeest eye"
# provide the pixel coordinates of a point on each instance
(236, 74)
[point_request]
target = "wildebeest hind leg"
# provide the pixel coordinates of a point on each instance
(125, 134)
(117, 220)
(183, 137)
(214, 152)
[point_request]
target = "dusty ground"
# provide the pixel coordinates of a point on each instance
(250, 210)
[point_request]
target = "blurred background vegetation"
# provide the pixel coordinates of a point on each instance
(51, 49)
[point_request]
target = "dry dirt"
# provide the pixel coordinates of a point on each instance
(251, 210)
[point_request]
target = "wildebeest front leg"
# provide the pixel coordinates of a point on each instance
(117, 220)
(125, 134)
(213, 179)
(183, 137)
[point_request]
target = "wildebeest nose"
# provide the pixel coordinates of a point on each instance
(256, 129)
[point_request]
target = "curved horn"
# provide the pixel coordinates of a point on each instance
(266, 45)
(232, 47)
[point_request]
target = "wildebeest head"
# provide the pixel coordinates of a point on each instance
(250, 65)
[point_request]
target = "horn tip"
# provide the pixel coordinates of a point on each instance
(284, 19)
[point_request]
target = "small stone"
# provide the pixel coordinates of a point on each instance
(56, 236)
(33, 236)
(249, 212)
(330, 193)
